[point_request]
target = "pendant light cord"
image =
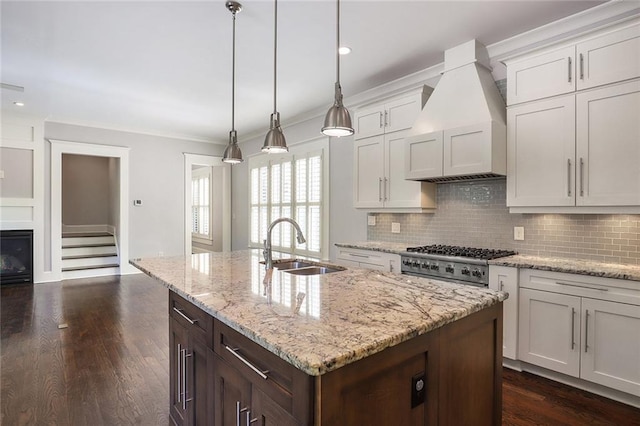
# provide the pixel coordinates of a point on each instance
(338, 42)
(233, 76)
(275, 54)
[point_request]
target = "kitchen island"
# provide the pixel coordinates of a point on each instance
(350, 347)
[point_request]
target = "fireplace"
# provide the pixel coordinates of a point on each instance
(16, 256)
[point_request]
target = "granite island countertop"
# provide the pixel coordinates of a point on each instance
(343, 317)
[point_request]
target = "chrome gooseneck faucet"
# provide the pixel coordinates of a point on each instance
(268, 260)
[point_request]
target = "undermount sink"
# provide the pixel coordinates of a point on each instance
(299, 267)
(313, 270)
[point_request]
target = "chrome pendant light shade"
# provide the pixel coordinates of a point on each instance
(337, 122)
(232, 153)
(275, 142)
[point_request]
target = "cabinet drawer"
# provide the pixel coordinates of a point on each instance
(610, 289)
(277, 378)
(364, 256)
(194, 319)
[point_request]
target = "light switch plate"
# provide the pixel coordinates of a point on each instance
(518, 233)
(395, 227)
(137, 202)
(371, 220)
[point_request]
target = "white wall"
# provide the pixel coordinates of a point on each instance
(346, 223)
(156, 178)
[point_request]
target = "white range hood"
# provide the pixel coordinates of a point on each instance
(461, 132)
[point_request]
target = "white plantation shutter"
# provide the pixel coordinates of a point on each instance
(201, 203)
(287, 186)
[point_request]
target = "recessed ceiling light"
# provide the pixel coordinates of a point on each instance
(344, 50)
(18, 103)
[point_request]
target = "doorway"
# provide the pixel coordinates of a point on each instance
(118, 160)
(207, 204)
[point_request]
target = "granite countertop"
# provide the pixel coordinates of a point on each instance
(344, 316)
(573, 266)
(396, 248)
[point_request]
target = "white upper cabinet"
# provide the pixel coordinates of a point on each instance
(387, 117)
(608, 146)
(609, 58)
(424, 158)
(576, 148)
(541, 153)
(379, 158)
(541, 76)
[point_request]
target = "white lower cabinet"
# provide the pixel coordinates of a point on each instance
(369, 259)
(581, 326)
(503, 278)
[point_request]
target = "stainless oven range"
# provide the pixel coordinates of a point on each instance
(464, 265)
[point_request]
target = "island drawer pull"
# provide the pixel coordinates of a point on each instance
(359, 255)
(260, 373)
(583, 286)
(179, 311)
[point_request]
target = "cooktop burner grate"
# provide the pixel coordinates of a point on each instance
(468, 252)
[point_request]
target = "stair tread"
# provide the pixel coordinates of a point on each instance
(85, 234)
(89, 245)
(89, 256)
(79, 268)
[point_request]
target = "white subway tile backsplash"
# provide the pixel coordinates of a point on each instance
(475, 214)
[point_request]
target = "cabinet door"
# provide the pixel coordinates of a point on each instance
(611, 349)
(197, 384)
(401, 114)
(267, 412)
(608, 146)
(542, 76)
(369, 122)
(505, 279)
(423, 156)
(549, 330)
(610, 58)
(232, 395)
(368, 171)
(398, 192)
(541, 153)
(178, 344)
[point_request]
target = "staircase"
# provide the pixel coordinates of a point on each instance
(90, 254)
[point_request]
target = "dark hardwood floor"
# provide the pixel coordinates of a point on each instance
(110, 365)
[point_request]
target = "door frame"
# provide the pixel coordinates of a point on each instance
(211, 161)
(58, 148)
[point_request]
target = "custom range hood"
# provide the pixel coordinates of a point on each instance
(461, 132)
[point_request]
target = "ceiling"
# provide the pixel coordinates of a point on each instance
(164, 67)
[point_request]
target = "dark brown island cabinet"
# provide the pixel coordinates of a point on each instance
(449, 376)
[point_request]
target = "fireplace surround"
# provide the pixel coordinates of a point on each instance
(16, 256)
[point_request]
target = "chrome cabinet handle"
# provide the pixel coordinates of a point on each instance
(569, 177)
(359, 255)
(581, 67)
(381, 123)
(184, 380)
(569, 63)
(387, 122)
(235, 353)
(573, 327)
(249, 419)
(379, 189)
(581, 177)
(179, 372)
(385, 189)
(237, 413)
(586, 332)
(501, 285)
(179, 311)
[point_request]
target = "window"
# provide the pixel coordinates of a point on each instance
(201, 203)
(291, 185)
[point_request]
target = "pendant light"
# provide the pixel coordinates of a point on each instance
(275, 142)
(232, 153)
(337, 122)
